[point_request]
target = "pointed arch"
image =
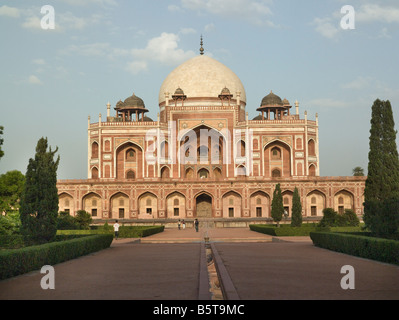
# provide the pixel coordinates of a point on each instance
(260, 204)
(176, 205)
(232, 204)
(122, 164)
(92, 203)
(346, 203)
(148, 205)
(277, 154)
(119, 205)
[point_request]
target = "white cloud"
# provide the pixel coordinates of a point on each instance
(377, 13)
(34, 80)
(359, 83)
(326, 27)
(209, 27)
(32, 22)
(9, 12)
(256, 12)
(187, 31)
(329, 103)
(89, 2)
(99, 49)
(163, 49)
(174, 8)
(136, 67)
(39, 61)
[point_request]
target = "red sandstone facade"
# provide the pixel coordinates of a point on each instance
(203, 158)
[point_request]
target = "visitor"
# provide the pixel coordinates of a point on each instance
(178, 224)
(116, 229)
(184, 225)
(196, 223)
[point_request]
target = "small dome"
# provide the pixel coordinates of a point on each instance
(147, 119)
(225, 91)
(134, 102)
(119, 104)
(259, 117)
(179, 91)
(286, 102)
(271, 100)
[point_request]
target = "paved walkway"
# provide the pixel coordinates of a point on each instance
(172, 266)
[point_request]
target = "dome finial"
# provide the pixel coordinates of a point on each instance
(201, 49)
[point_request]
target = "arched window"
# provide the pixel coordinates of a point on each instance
(255, 144)
(276, 153)
(130, 174)
(311, 148)
(130, 155)
(94, 150)
(94, 173)
(312, 170)
(240, 148)
(340, 200)
(299, 143)
(313, 200)
(276, 173)
(203, 174)
(189, 173)
(241, 171)
(165, 173)
(107, 145)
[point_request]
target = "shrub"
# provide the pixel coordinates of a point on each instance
(19, 261)
(66, 222)
(329, 218)
(384, 250)
(84, 219)
(287, 230)
(332, 219)
(139, 231)
(350, 218)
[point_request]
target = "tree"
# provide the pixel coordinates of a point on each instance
(382, 184)
(39, 199)
(296, 219)
(358, 172)
(84, 219)
(1, 141)
(277, 205)
(329, 218)
(11, 186)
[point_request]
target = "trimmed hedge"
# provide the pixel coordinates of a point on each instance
(373, 248)
(285, 230)
(124, 231)
(20, 261)
(139, 231)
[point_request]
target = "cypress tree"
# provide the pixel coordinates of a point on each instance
(390, 160)
(277, 205)
(1, 141)
(39, 199)
(296, 219)
(382, 184)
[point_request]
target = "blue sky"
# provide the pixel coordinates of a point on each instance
(104, 50)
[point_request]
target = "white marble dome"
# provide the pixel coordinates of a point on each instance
(202, 77)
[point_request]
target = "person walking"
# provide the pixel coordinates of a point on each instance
(196, 223)
(184, 225)
(116, 229)
(178, 224)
